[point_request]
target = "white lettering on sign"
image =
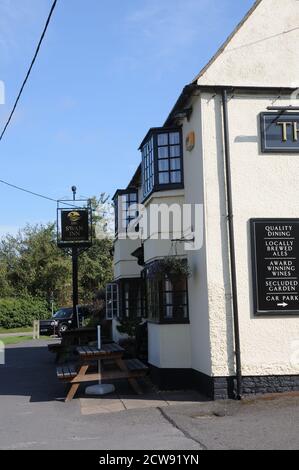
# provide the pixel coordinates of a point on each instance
(276, 265)
(284, 129)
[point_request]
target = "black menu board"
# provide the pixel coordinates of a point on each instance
(275, 263)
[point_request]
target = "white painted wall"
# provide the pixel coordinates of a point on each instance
(125, 265)
(116, 335)
(258, 53)
(263, 185)
(197, 283)
(156, 246)
(264, 52)
(169, 346)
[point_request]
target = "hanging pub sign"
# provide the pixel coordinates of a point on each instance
(280, 132)
(275, 266)
(74, 227)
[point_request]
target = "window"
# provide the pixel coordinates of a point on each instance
(131, 295)
(112, 301)
(125, 202)
(162, 160)
(132, 298)
(166, 299)
(148, 175)
(169, 158)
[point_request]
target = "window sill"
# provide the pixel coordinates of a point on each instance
(170, 322)
(163, 188)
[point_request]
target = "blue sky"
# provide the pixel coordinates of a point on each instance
(107, 71)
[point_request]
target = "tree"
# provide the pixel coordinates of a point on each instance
(34, 264)
(95, 269)
(31, 264)
(95, 264)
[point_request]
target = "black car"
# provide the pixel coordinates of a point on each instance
(61, 321)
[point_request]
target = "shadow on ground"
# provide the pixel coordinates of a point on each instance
(30, 371)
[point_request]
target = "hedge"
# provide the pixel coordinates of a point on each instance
(16, 313)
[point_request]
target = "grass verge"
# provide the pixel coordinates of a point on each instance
(24, 329)
(15, 339)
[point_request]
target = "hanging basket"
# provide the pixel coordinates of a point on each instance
(170, 267)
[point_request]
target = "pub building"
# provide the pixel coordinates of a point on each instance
(230, 144)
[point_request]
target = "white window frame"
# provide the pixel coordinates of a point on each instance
(112, 296)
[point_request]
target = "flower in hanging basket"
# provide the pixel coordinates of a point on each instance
(171, 267)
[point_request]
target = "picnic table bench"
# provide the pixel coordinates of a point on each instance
(130, 369)
(71, 339)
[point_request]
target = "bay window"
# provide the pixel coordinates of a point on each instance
(166, 298)
(125, 206)
(162, 160)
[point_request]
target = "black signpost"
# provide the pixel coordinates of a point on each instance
(275, 265)
(74, 233)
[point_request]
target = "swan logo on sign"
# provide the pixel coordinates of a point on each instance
(74, 216)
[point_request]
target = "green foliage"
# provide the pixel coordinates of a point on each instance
(129, 326)
(15, 339)
(95, 264)
(170, 267)
(20, 312)
(5, 288)
(32, 266)
(95, 269)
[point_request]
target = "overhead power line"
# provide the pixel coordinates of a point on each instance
(24, 190)
(29, 70)
(27, 191)
(19, 188)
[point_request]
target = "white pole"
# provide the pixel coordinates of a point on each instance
(99, 337)
(99, 347)
(100, 389)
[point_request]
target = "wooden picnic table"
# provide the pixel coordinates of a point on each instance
(126, 369)
(73, 338)
(79, 335)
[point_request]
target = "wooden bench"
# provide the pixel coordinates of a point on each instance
(71, 339)
(66, 372)
(129, 369)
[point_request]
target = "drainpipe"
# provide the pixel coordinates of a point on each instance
(230, 220)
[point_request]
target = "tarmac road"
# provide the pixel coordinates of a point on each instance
(33, 416)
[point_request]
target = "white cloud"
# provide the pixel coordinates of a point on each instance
(16, 18)
(170, 24)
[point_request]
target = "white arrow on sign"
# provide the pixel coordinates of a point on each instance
(282, 305)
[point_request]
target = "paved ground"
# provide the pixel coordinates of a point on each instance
(33, 415)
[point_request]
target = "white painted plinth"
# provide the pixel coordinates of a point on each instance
(99, 389)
